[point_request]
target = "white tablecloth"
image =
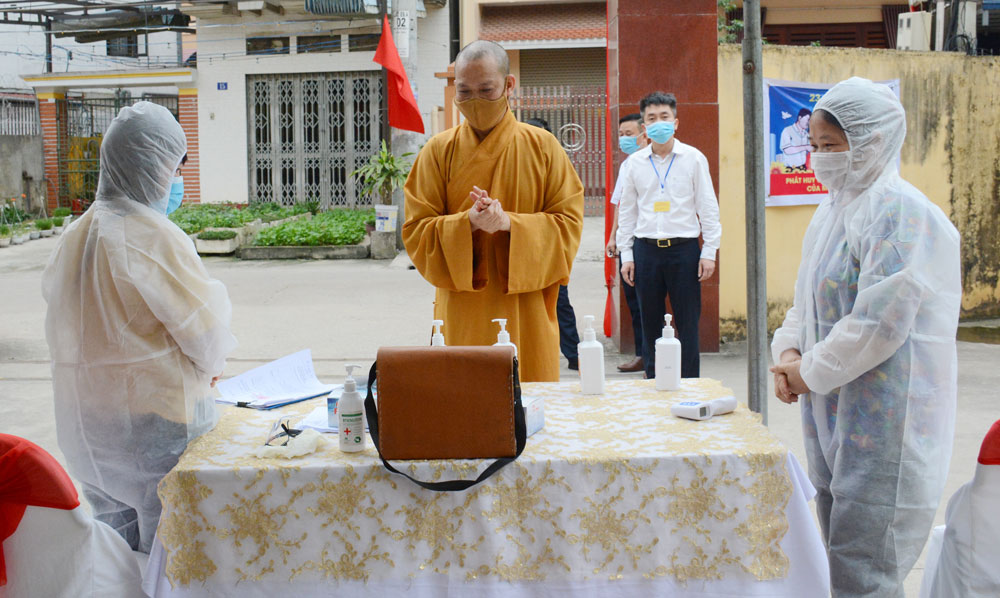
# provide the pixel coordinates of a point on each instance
(614, 497)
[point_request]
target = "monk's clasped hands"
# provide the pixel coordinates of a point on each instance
(486, 213)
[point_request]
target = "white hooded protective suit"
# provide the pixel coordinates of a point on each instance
(875, 315)
(136, 328)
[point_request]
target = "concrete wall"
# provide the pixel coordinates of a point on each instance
(19, 155)
(222, 115)
(951, 153)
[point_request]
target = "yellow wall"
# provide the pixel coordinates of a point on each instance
(951, 153)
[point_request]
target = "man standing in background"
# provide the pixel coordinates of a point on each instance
(667, 201)
(631, 138)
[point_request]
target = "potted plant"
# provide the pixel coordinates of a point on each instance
(58, 224)
(44, 227)
(33, 231)
(383, 174)
(63, 213)
(5, 235)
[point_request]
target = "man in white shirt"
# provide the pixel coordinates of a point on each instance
(631, 139)
(667, 202)
(795, 141)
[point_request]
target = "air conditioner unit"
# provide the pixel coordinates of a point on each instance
(914, 31)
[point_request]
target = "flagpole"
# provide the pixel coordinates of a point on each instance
(385, 133)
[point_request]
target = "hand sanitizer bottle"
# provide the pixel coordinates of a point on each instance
(437, 339)
(503, 337)
(591, 354)
(668, 358)
(351, 416)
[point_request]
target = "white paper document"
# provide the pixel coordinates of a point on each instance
(283, 381)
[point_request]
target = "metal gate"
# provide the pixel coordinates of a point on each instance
(308, 132)
(576, 115)
(86, 120)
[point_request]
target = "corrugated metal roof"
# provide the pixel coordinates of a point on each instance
(350, 7)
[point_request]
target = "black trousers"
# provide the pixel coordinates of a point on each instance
(569, 338)
(632, 300)
(669, 271)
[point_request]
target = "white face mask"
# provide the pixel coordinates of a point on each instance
(831, 168)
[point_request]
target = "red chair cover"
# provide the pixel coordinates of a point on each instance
(29, 476)
(989, 454)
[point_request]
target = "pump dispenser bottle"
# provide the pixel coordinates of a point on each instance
(503, 337)
(437, 339)
(351, 416)
(668, 358)
(591, 354)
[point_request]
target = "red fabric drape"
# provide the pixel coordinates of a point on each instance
(403, 111)
(29, 476)
(989, 453)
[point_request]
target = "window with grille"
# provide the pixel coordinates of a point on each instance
(129, 46)
(257, 46)
(306, 44)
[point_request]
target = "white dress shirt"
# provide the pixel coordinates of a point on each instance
(616, 195)
(687, 188)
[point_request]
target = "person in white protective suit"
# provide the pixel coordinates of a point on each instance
(137, 330)
(963, 559)
(869, 344)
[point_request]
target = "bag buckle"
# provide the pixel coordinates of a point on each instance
(663, 242)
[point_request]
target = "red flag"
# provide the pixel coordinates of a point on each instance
(403, 111)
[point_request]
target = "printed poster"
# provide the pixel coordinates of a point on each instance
(788, 107)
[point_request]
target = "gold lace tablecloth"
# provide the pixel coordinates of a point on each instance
(613, 488)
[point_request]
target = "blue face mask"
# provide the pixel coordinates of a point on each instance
(176, 194)
(660, 131)
(628, 144)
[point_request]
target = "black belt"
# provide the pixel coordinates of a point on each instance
(662, 243)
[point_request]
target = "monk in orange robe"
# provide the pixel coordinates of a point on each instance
(494, 213)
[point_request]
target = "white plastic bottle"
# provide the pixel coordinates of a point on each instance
(437, 339)
(351, 416)
(503, 337)
(668, 358)
(591, 355)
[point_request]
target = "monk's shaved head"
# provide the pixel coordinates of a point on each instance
(482, 49)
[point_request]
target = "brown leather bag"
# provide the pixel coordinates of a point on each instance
(446, 403)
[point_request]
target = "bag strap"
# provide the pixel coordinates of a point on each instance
(520, 436)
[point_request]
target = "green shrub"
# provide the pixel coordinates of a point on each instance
(61, 213)
(4, 230)
(43, 224)
(217, 235)
(336, 227)
(58, 221)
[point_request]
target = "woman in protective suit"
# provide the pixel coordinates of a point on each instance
(136, 328)
(869, 344)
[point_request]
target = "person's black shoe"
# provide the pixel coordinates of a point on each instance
(574, 364)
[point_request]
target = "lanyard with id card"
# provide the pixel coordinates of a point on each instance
(662, 205)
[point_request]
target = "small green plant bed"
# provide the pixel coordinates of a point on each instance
(195, 218)
(217, 235)
(58, 221)
(61, 213)
(43, 224)
(336, 227)
(5, 230)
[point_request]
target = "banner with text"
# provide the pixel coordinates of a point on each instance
(788, 107)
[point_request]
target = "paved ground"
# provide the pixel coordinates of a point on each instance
(344, 310)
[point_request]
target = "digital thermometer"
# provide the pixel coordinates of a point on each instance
(699, 410)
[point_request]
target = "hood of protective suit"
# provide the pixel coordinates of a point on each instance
(142, 148)
(875, 124)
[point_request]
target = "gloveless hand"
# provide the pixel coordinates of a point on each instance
(486, 213)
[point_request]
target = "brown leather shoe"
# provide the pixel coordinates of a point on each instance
(636, 365)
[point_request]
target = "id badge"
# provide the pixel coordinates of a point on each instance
(661, 206)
